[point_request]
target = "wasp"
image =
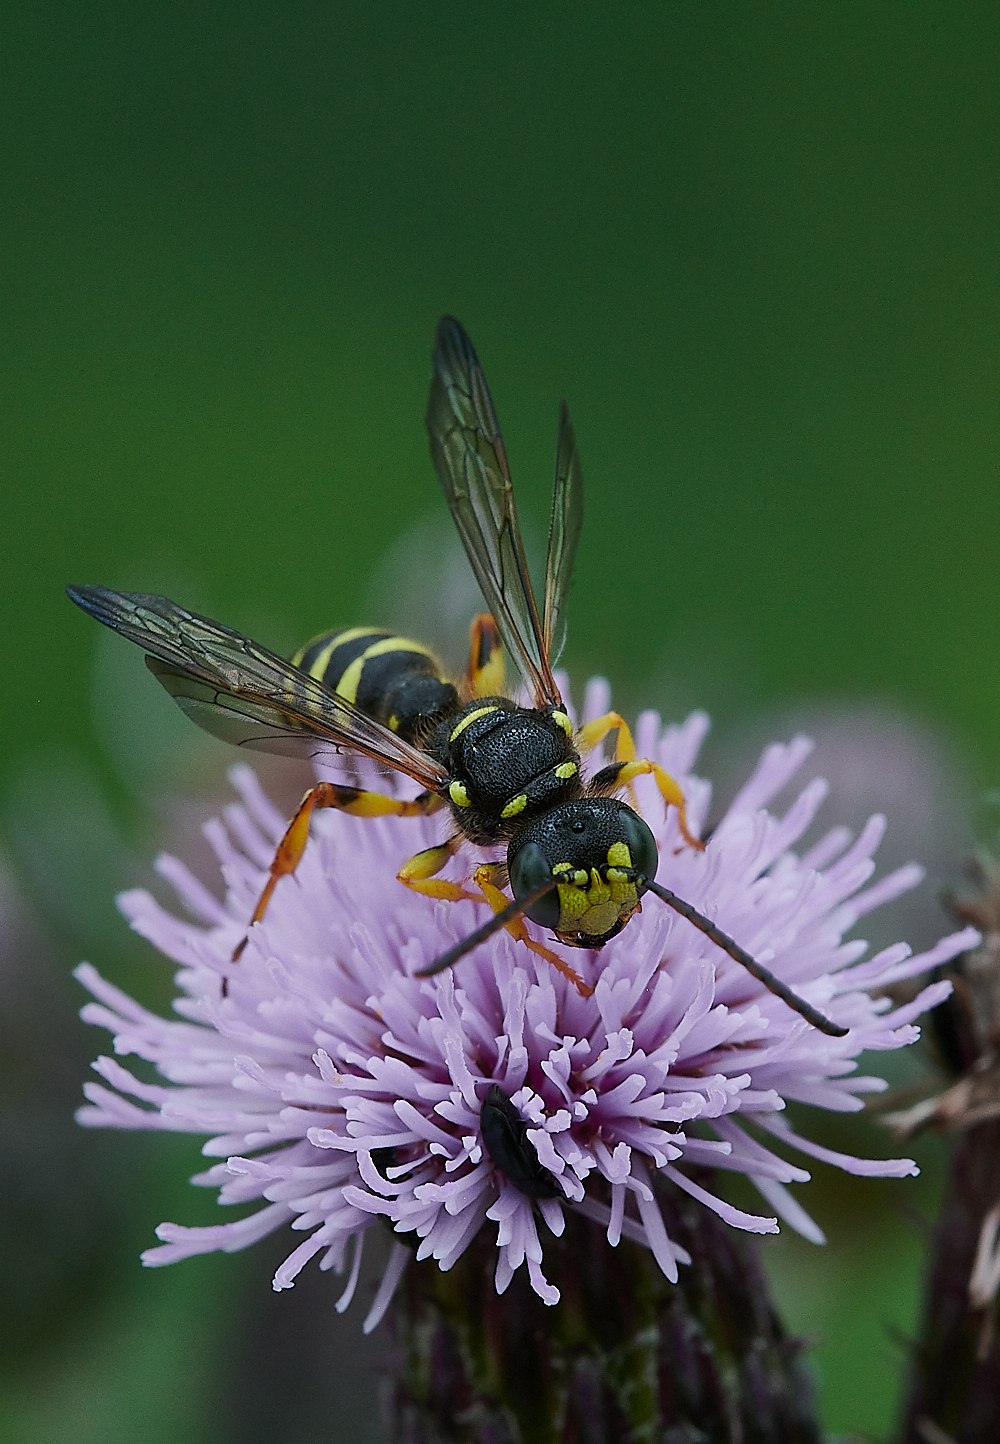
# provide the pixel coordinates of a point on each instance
(579, 858)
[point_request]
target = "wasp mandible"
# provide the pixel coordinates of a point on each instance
(579, 858)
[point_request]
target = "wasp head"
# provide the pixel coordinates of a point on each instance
(590, 850)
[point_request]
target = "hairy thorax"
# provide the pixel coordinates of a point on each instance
(507, 764)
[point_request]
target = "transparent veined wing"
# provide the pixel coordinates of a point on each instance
(471, 462)
(245, 694)
(564, 534)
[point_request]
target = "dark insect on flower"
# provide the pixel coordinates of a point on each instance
(579, 859)
(505, 1137)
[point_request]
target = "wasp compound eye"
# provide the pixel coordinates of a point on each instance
(639, 841)
(529, 869)
(504, 1135)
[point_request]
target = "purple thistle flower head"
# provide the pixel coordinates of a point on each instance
(337, 1088)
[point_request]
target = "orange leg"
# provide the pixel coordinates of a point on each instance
(484, 674)
(669, 790)
(353, 800)
(498, 901)
(594, 732)
(419, 873)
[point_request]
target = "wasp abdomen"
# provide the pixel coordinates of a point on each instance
(392, 679)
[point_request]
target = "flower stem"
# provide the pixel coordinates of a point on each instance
(955, 1382)
(626, 1357)
(955, 1371)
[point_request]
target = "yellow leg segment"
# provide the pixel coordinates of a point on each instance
(589, 736)
(419, 873)
(484, 674)
(353, 800)
(594, 732)
(517, 929)
(669, 790)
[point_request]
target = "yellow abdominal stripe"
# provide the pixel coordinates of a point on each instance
(321, 663)
(348, 685)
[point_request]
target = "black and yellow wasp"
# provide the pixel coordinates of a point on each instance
(579, 859)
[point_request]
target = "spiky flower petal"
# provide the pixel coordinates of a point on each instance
(336, 1088)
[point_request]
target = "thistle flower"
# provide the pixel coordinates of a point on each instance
(338, 1089)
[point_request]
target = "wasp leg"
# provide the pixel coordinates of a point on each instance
(484, 674)
(498, 901)
(620, 774)
(418, 873)
(588, 736)
(354, 800)
(593, 733)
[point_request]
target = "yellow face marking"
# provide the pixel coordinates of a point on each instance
(348, 685)
(458, 795)
(515, 805)
(565, 769)
(472, 717)
(394, 723)
(561, 720)
(573, 904)
(619, 855)
(591, 905)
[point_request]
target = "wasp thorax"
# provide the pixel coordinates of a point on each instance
(506, 763)
(589, 849)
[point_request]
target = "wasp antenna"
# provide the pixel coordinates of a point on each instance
(497, 921)
(740, 955)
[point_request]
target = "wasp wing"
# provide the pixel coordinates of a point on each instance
(564, 534)
(471, 462)
(244, 693)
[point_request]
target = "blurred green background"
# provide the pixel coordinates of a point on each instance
(754, 246)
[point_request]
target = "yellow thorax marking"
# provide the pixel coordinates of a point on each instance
(472, 717)
(348, 685)
(515, 805)
(564, 770)
(561, 720)
(459, 795)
